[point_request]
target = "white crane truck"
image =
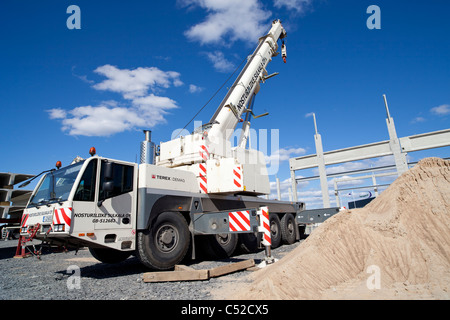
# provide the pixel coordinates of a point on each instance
(197, 190)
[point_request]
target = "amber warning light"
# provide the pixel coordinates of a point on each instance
(58, 164)
(92, 151)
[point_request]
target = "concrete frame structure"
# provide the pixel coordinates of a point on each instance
(398, 147)
(12, 201)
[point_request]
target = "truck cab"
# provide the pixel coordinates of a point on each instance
(90, 202)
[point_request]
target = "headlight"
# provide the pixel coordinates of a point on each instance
(59, 227)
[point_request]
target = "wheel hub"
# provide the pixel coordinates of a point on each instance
(273, 228)
(223, 238)
(290, 227)
(166, 238)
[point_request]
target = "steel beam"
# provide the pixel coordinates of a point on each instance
(436, 139)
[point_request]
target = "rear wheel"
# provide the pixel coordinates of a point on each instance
(107, 255)
(219, 245)
(248, 242)
(288, 228)
(275, 230)
(166, 242)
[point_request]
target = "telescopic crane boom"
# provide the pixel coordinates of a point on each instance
(229, 112)
(212, 141)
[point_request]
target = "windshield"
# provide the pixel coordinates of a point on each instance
(56, 185)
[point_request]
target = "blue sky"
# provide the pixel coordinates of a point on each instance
(137, 65)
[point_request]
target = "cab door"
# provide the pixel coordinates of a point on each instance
(85, 198)
(116, 205)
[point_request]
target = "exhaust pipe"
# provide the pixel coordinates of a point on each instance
(148, 149)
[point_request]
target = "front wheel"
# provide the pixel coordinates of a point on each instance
(165, 243)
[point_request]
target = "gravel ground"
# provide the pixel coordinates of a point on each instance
(51, 278)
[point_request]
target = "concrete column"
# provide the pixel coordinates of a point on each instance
(394, 143)
(294, 186)
(321, 166)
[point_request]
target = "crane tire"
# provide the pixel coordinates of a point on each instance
(165, 243)
(248, 242)
(219, 246)
(275, 230)
(288, 226)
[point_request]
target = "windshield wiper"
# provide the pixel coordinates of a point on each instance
(60, 202)
(35, 204)
(28, 181)
(38, 205)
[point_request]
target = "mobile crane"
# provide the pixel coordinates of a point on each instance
(196, 191)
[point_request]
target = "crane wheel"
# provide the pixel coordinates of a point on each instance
(275, 229)
(165, 243)
(288, 226)
(249, 242)
(218, 246)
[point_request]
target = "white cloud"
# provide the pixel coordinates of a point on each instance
(348, 183)
(57, 113)
(299, 6)
(142, 109)
(219, 61)
(100, 120)
(285, 189)
(137, 82)
(284, 154)
(441, 110)
(418, 120)
(153, 102)
(228, 20)
(358, 165)
(194, 89)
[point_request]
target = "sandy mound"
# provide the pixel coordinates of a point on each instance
(401, 239)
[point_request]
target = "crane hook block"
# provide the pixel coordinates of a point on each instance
(283, 52)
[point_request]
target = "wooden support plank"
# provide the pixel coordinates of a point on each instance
(185, 273)
(229, 268)
(190, 275)
(182, 267)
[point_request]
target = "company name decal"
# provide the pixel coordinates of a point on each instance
(167, 178)
(251, 84)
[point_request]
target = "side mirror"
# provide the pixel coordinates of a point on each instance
(108, 186)
(109, 172)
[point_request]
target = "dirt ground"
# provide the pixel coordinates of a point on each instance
(397, 247)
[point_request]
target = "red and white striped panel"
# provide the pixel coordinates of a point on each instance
(204, 152)
(237, 176)
(24, 220)
(202, 179)
(265, 226)
(62, 216)
(239, 220)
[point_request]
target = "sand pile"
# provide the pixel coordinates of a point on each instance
(396, 247)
